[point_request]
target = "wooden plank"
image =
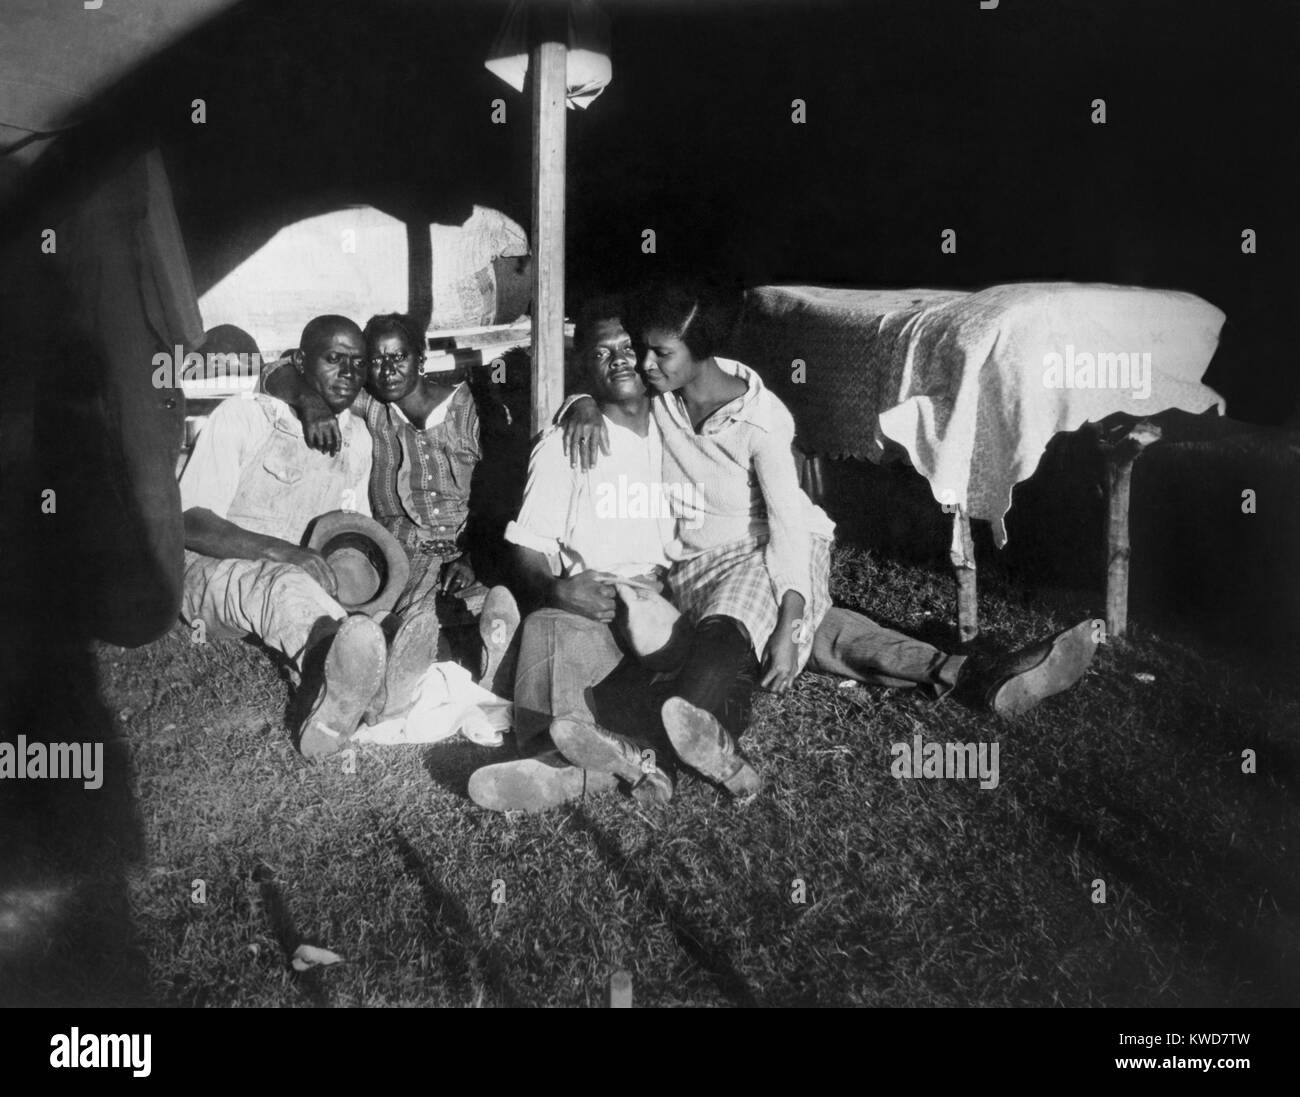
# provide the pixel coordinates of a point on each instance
(620, 990)
(547, 71)
(812, 476)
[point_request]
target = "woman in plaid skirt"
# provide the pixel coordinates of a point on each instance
(751, 551)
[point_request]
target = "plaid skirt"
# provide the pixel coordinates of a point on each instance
(733, 581)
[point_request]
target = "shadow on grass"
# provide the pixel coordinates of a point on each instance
(450, 764)
(1248, 876)
(1183, 905)
(448, 922)
(287, 935)
(65, 912)
(66, 929)
(689, 937)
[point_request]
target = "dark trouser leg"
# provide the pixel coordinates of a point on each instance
(625, 702)
(853, 646)
(720, 674)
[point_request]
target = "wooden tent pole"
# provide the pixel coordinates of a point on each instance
(546, 67)
(1121, 449)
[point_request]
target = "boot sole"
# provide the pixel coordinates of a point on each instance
(499, 606)
(1072, 652)
(589, 747)
(354, 669)
(532, 786)
(414, 650)
(694, 735)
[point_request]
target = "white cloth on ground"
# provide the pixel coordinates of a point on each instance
(447, 701)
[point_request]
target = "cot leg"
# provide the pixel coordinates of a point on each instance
(620, 990)
(1121, 448)
(815, 478)
(962, 555)
(811, 468)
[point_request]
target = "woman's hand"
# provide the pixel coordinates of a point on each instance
(320, 428)
(584, 430)
(780, 661)
(457, 576)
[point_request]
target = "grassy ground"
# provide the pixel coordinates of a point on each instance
(918, 893)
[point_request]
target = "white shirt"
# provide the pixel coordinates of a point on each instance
(616, 517)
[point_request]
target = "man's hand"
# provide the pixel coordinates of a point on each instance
(457, 575)
(780, 660)
(311, 561)
(588, 594)
(320, 427)
(584, 430)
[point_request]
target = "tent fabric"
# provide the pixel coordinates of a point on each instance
(56, 59)
(357, 262)
(166, 285)
(132, 297)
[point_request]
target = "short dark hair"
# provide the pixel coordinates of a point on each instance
(594, 311)
(691, 311)
(322, 327)
(227, 339)
(396, 323)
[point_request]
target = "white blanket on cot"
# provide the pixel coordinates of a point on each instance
(447, 701)
(967, 383)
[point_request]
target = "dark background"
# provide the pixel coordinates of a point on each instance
(921, 115)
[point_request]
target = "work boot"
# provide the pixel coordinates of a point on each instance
(497, 626)
(535, 784)
(594, 748)
(413, 651)
(1022, 679)
(353, 672)
(707, 747)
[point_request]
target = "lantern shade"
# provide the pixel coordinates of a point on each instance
(586, 37)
